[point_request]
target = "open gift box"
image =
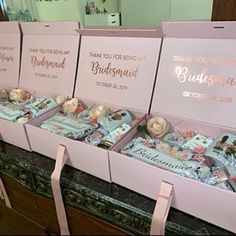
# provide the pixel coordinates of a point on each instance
(195, 90)
(43, 44)
(10, 44)
(116, 70)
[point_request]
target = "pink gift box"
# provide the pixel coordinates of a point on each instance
(195, 89)
(44, 44)
(135, 51)
(10, 43)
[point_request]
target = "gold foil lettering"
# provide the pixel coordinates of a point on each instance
(183, 75)
(113, 71)
(43, 62)
(6, 59)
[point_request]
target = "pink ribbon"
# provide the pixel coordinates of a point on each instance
(56, 189)
(161, 209)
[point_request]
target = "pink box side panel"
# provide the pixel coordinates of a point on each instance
(49, 61)
(14, 133)
(209, 203)
(9, 59)
(120, 70)
(197, 80)
(82, 156)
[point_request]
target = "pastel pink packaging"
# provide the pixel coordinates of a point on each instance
(43, 44)
(195, 89)
(10, 43)
(116, 68)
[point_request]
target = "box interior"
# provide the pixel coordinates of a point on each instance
(86, 103)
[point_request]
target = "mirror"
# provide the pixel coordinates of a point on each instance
(126, 13)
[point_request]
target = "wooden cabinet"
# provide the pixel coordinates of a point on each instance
(13, 223)
(35, 214)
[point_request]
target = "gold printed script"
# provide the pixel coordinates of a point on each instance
(5, 58)
(183, 75)
(43, 62)
(112, 71)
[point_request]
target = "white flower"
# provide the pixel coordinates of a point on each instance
(70, 106)
(61, 99)
(99, 110)
(16, 95)
(158, 126)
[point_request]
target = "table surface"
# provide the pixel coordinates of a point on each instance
(110, 202)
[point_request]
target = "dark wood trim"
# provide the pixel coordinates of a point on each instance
(224, 10)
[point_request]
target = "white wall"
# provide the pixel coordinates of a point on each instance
(153, 12)
(144, 12)
(59, 10)
(191, 9)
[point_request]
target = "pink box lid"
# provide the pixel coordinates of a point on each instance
(10, 42)
(196, 78)
(49, 57)
(118, 66)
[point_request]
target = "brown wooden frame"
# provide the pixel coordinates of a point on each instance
(224, 10)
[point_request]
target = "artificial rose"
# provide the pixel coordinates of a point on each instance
(199, 150)
(16, 95)
(99, 110)
(61, 99)
(70, 106)
(158, 126)
(188, 133)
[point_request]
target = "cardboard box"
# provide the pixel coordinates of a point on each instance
(195, 90)
(133, 53)
(10, 45)
(43, 44)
